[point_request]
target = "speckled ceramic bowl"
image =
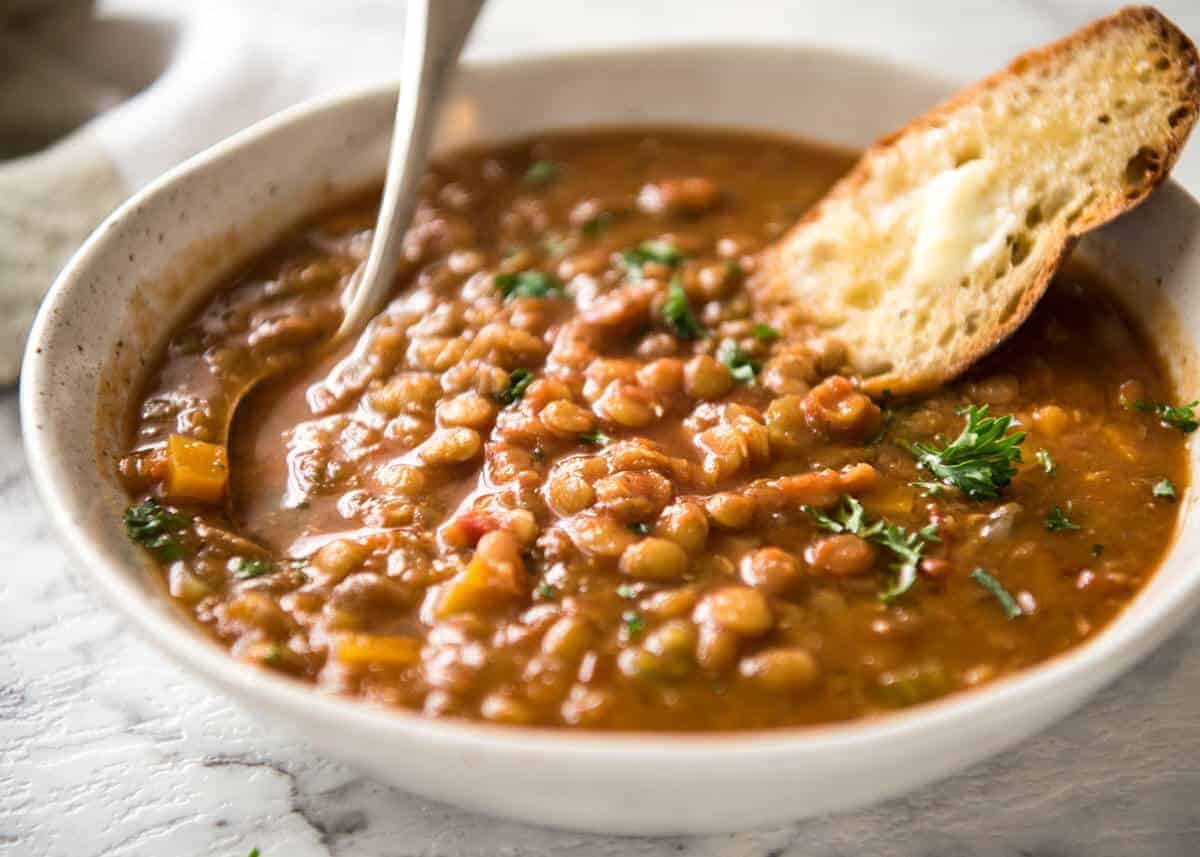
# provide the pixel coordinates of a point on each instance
(156, 257)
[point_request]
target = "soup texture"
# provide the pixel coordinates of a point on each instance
(576, 475)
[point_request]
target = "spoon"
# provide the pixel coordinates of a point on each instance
(434, 34)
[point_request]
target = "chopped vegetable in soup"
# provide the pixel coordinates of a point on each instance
(575, 475)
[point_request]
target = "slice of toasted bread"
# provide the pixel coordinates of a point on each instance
(943, 237)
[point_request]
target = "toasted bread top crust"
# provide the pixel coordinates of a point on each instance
(940, 241)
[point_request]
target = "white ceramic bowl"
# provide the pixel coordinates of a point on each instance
(156, 257)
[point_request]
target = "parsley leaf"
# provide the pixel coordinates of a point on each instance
(765, 333)
(597, 225)
(1007, 603)
(905, 545)
(1057, 521)
(662, 252)
(1181, 417)
(641, 528)
(546, 591)
(1164, 489)
(528, 284)
(979, 462)
(597, 437)
(518, 380)
(741, 366)
(253, 853)
(677, 312)
(540, 172)
(250, 568)
(634, 624)
(152, 526)
(1047, 462)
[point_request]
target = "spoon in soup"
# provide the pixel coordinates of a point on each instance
(434, 35)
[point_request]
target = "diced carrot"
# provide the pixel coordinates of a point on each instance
(494, 575)
(196, 471)
(366, 649)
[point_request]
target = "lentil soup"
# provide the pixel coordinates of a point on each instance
(576, 475)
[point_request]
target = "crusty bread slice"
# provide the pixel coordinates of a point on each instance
(943, 237)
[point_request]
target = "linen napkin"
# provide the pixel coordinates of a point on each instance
(99, 99)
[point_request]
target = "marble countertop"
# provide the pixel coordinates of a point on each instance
(107, 749)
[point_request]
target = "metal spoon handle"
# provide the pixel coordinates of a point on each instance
(434, 34)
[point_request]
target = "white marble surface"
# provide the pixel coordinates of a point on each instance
(106, 749)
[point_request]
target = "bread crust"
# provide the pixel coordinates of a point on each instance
(1094, 214)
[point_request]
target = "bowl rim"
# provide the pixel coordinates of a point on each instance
(1127, 638)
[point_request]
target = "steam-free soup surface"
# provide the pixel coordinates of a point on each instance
(576, 476)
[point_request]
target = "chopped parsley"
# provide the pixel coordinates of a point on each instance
(251, 568)
(1007, 603)
(596, 226)
(979, 462)
(1182, 417)
(662, 252)
(765, 333)
(154, 527)
(627, 591)
(1057, 521)
(741, 366)
(528, 284)
(1165, 489)
(540, 172)
(641, 528)
(518, 381)
(596, 437)
(555, 245)
(929, 489)
(905, 545)
(634, 624)
(1047, 462)
(253, 853)
(547, 591)
(677, 313)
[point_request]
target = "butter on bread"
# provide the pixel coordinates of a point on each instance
(942, 238)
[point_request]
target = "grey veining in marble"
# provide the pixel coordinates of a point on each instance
(106, 749)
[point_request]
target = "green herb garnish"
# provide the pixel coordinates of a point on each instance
(154, 527)
(929, 489)
(765, 333)
(253, 853)
(540, 172)
(1181, 417)
(250, 568)
(641, 528)
(1057, 521)
(1164, 489)
(979, 462)
(547, 591)
(661, 252)
(1047, 462)
(677, 312)
(1007, 603)
(518, 381)
(905, 545)
(634, 624)
(596, 226)
(741, 366)
(597, 437)
(528, 284)
(555, 245)
(733, 271)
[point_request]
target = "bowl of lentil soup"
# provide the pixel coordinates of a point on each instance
(572, 524)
